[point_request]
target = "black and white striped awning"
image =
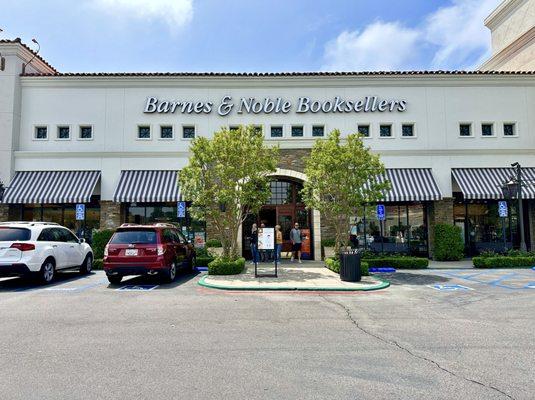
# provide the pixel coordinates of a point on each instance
(486, 183)
(147, 186)
(410, 184)
(51, 187)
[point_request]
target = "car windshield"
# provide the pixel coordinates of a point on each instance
(14, 234)
(134, 237)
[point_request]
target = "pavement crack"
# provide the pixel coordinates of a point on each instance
(408, 351)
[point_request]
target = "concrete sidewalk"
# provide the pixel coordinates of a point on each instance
(462, 264)
(311, 275)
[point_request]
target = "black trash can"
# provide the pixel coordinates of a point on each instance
(350, 266)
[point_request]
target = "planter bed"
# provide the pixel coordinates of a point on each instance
(504, 262)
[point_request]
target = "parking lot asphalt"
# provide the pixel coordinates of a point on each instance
(431, 335)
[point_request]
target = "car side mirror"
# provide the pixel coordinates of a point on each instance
(81, 240)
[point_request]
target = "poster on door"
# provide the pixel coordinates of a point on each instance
(198, 239)
(266, 238)
(305, 246)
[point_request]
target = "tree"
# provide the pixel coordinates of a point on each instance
(227, 178)
(342, 178)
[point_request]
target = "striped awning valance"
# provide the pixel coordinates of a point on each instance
(147, 186)
(51, 187)
(410, 184)
(486, 183)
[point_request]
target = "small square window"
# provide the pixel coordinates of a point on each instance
(385, 130)
(166, 132)
(233, 127)
(465, 130)
(318, 131)
(509, 130)
(297, 131)
(486, 130)
(41, 132)
(258, 129)
(86, 132)
(364, 130)
(407, 130)
(276, 131)
(143, 132)
(64, 132)
(188, 132)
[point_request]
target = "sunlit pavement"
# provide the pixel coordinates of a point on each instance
(435, 334)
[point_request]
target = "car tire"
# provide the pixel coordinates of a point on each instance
(170, 275)
(47, 273)
(87, 265)
(115, 279)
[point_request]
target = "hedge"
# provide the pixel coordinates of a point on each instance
(504, 262)
(221, 266)
(334, 265)
(449, 244)
(100, 240)
(402, 262)
(203, 261)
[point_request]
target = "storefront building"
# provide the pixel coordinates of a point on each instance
(115, 142)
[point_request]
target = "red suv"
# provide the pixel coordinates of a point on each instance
(147, 250)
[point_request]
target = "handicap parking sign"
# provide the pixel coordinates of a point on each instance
(80, 212)
(381, 216)
(450, 288)
(181, 209)
(502, 209)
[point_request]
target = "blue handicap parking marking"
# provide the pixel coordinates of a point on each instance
(530, 285)
(137, 288)
(450, 288)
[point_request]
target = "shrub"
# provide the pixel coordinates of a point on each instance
(328, 242)
(221, 266)
(398, 262)
(100, 240)
(98, 264)
(201, 252)
(334, 265)
(203, 261)
(504, 262)
(214, 243)
(449, 245)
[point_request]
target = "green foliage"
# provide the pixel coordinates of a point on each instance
(228, 177)
(214, 243)
(449, 244)
(398, 262)
(203, 261)
(98, 264)
(334, 265)
(201, 252)
(328, 242)
(504, 261)
(342, 178)
(100, 240)
(222, 266)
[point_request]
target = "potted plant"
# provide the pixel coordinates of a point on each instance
(215, 247)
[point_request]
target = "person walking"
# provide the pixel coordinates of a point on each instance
(278, 243)
(296, 239)
(254, 243)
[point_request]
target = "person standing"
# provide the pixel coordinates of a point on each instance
(254, 243)
(278, 243)
(296, 239)
(263, 253)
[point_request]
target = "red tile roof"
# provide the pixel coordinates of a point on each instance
(19, 41)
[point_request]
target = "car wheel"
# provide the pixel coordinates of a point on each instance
(170, 275)
(47, 272)
(115, 279)
(87, 265)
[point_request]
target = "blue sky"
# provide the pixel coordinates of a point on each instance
(252, 35)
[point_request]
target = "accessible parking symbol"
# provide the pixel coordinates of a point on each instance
(450, 288)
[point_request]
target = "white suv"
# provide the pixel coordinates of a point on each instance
(40, 249)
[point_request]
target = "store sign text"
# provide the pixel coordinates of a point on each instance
(251, 105)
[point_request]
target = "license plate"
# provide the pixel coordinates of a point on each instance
(131, 252)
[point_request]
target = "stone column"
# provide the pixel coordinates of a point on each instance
(110, 214)
(438, 212)
(4, 212)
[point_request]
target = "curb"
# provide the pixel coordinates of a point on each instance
(383, 285)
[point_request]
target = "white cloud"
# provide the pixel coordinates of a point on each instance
(452, 37)
(176, 13)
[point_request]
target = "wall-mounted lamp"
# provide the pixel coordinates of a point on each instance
(34, 55)
(2, 59)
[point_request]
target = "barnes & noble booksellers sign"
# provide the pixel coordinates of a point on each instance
(251, 105)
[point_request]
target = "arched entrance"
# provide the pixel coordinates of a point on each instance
(284, 207)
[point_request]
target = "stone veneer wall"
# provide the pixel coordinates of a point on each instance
(439, 212)
(110, 214)
(4, 213)
(293, 159)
